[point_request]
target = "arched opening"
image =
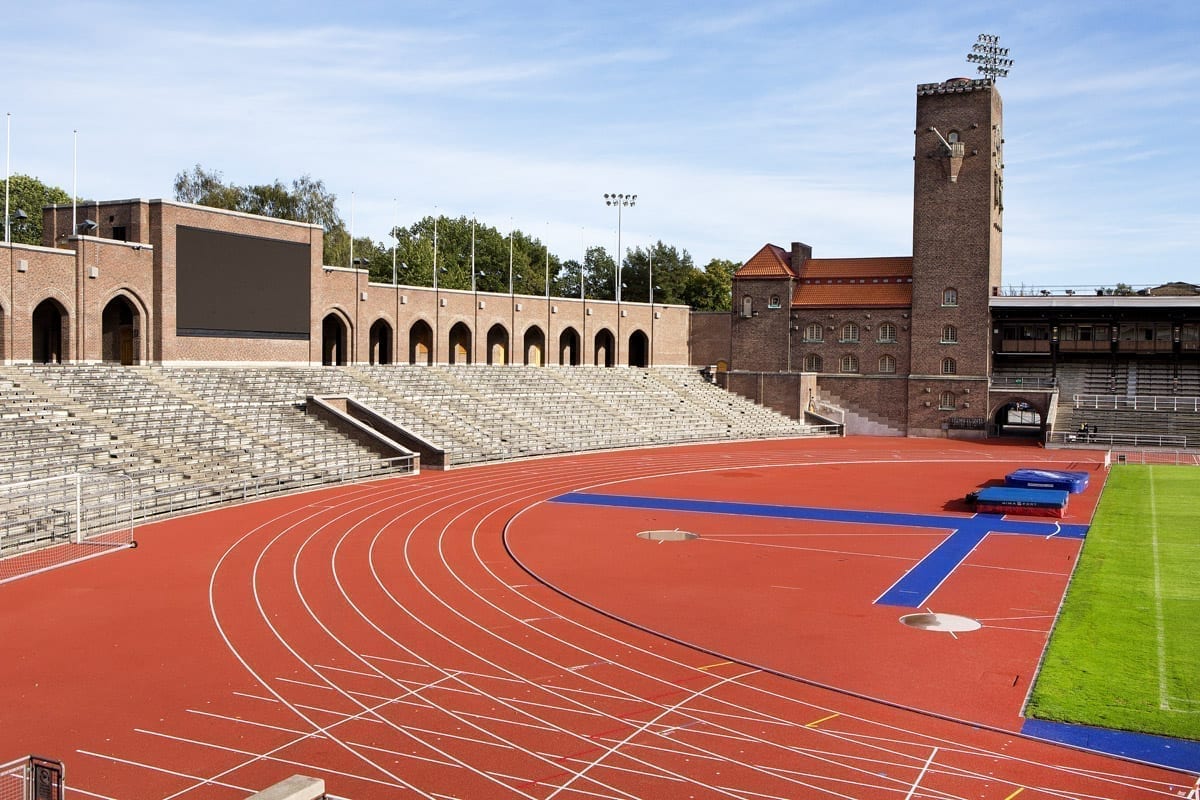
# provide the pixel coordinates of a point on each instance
(603, 350)
(333, 341)
(460, 344)
(420, 343)
(535, 347)
(50, 332)
(568, 348)
(381, 342)
(119, 332)
(1018, 418)
(639, 350)
(497, 344)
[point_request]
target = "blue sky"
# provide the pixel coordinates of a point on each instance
(736, 124)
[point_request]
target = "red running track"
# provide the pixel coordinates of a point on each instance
(382, 637)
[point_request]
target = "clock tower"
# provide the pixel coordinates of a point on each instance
(957, 228)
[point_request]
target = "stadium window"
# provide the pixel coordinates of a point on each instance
(849, 332)
(747, 306)
(949, 296)
(774, 302)
(812, 363)
(814, 333)
(887, 364)
(947, 402)
(887, 332)
(949, 334)
(849, 363)
(949, 366)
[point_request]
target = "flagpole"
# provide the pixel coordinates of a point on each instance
(510, 256)
(435, 220)
(395, 241)
(7, 174)
(473, 253)
(74, 179)
(547, 260)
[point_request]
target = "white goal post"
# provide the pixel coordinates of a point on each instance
(48, 522)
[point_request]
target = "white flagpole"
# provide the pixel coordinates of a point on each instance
(7, 174)
(547, 260)
(74, 179)
(472, 253)
(510, 256)
(582, 262)
(435, 219)
(395, 241)
(351, 230)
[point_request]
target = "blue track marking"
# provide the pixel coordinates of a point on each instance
(914, 588)
(1180, 754)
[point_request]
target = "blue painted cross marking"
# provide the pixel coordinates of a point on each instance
(913, 588)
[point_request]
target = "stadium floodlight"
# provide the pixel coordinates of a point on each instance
(620, 201)
(86, 227)
(992, 59)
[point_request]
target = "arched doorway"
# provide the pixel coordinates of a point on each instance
(639, 350)
(333, 340)
(603, 353)
(497, 344)
(460, 344)
(535, 347)
(1018, 418)
(50, 332)
(381, 342)
(119, 332)
(568, 348)
(420, 343)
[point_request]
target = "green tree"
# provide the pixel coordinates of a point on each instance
(600, 270)
(671, 269)
(29, 196)
(711, 289)
(306, 200)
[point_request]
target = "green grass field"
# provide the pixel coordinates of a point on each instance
(1125, 652)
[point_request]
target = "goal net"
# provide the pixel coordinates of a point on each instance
(31, 778)
(54, 521)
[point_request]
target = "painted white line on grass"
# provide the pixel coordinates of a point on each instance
(1164, 701)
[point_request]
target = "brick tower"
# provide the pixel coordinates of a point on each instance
(957, 225)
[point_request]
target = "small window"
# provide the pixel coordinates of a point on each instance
(887, 332)
(814, 333)
(949, 297)
(949, 366)
(774, 302)
(849, 363)
(949, 334)
(947, 401)
(118, 233)
(747, 306)
(849, 332)
(812, 363)
(887, 364)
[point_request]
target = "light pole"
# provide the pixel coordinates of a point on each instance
(620, 201)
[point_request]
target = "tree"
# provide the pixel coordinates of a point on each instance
(712, 288)
(307, 200)
(29, 195)
(671, 268)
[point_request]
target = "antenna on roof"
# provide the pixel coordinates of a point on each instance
(992, 59)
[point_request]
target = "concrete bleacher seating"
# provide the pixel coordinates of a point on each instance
(1144, 401)
(189, 436)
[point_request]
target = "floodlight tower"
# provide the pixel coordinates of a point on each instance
(992, 59)
(620, 201)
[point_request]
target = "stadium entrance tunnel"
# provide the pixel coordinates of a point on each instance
(1018, 418)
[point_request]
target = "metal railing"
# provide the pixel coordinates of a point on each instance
(1150, 402)
(1023, 381)
(1081, 439)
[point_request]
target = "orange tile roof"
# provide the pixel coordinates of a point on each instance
(854, 295)
(769, 262)
(888, 267)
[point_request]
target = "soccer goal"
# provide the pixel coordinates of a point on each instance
(31, 778)
(53, 521)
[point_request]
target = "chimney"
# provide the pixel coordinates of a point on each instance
(801, 252)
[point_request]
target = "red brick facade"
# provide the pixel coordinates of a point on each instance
(111, 294)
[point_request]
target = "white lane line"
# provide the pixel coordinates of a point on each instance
(1160, 632)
